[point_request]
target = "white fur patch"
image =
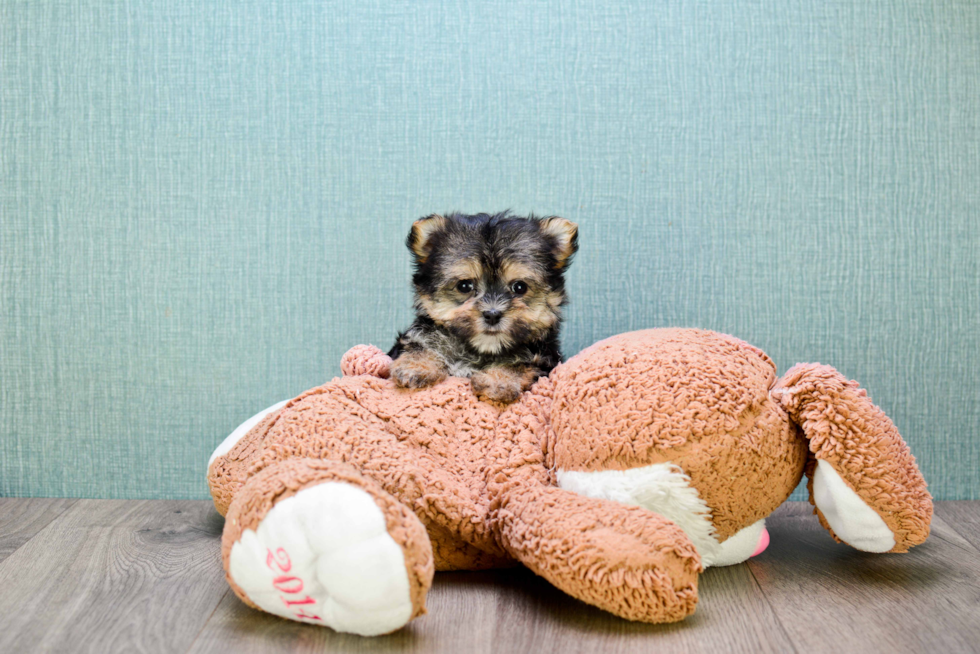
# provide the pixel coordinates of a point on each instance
(491, 343)
(324, 556)
(739, 546)
(662, 488)
(241, 430)
(854, 522)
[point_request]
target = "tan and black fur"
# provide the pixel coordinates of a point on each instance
(489, 291)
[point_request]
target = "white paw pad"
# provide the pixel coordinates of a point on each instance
(324, 556)
(854, 522)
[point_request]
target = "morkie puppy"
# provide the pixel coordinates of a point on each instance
(489, 290)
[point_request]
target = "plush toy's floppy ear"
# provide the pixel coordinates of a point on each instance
(565, 235)
(420, 238)
(864, 482)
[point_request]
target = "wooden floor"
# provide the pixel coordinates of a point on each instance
(145, 576)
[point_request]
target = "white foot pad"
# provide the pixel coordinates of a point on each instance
(324, 556)
(854, 522)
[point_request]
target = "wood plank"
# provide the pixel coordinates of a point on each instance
(22, 518)
(461, 618)
(513, 610)
(732, 615)
(832, 598)
(141, 576)
(114, 576)
(964, 517)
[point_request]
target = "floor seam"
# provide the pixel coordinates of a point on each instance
(73, 504)
(208, 621)
(952, 527)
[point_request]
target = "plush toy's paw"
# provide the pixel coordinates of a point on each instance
(417, 370)
(500, 383)
(327, 556)
(632, 562)
(365, 360)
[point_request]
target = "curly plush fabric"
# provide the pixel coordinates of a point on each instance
(365, 360)
(431, 450)
(845, 429)
(229, 472)
(667, 395)
(624, 559)
(698, 420)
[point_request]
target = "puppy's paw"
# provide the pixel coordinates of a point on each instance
(417, 370)
(499, 384)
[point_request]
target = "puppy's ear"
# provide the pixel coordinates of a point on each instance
(420, 238)
(564, 233)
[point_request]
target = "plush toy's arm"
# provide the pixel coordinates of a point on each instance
(864, 482)
(624, 559)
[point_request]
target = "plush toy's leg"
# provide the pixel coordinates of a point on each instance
(864, 482)
(624, 559)
(315, 541)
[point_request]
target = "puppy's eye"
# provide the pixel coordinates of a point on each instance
(518, 288)
(465, 286)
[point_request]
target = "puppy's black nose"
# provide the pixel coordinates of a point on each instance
(492, 317)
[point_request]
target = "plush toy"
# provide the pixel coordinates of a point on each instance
(618, 478)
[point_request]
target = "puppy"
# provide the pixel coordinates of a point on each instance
(489, 291)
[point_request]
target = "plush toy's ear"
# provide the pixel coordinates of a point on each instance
(565, 235)
(864, 483)
(420, 238)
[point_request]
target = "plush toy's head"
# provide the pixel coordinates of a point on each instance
(680, 422)
(685, 421)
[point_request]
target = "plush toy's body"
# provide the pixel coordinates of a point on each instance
(618, 478)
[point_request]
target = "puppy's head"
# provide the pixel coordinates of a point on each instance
(495, 281)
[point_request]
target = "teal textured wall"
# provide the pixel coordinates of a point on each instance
(203, 203)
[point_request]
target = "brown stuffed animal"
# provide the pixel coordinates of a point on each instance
(618, 478)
